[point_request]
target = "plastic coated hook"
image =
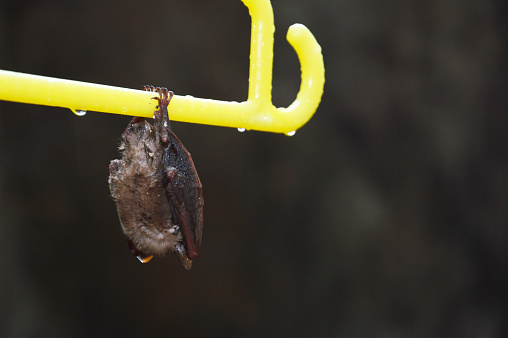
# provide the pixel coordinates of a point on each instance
(257, 113)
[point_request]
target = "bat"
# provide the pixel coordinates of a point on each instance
(156, 188)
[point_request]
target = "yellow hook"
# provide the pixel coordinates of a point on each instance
(257, 113)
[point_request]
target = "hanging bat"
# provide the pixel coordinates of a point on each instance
(156, 188)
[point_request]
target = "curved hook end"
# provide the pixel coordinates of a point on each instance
(313, 76)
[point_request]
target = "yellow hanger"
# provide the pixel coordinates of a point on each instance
(257, 113)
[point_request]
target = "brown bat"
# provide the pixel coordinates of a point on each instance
(156, 188)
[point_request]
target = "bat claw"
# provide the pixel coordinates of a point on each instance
(182, 255)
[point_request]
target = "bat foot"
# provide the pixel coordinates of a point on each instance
(164, 97)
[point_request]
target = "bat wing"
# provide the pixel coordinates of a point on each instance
(184, 192)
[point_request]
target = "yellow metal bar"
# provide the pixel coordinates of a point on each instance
(76, 95)
(257, 113)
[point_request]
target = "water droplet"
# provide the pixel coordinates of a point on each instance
(291, 133)
(241, 130)
(79, 112)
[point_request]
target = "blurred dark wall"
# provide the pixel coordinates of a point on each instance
(385, 215)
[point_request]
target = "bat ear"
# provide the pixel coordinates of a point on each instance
(142, 258)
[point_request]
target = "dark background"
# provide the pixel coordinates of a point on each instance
(385, 215)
